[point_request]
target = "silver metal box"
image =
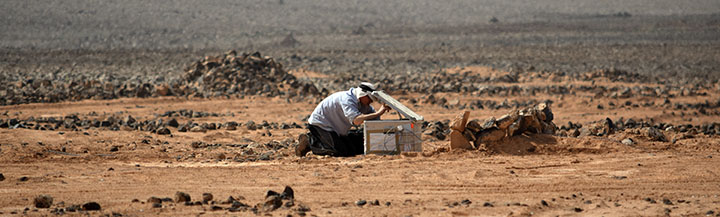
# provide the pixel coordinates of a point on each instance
(392, 136)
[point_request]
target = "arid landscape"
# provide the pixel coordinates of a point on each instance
(185, 108)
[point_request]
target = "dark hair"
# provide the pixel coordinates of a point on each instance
(365, 88)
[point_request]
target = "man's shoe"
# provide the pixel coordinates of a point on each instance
(303, 146)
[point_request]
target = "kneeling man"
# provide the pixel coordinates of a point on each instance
(332, 119)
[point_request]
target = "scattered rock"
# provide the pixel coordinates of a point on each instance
(232, 125)
(198, 129)
(619, 177)
(181, 197)
(73, 208)
(628, 141)
(91, 206)
(154, 200)
(43, 201)
(360, 202)
(207, 197)
(163, 131)
(238, 204)
(654, 134)
(667, 201)
(173, 123)
(288, 193)
(271, 203)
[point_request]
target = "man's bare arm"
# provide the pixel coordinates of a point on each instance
(362, 118)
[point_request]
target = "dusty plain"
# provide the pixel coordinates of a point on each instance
(667, 54)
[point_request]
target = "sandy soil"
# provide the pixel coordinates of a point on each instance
(574, 176)
(673, 45)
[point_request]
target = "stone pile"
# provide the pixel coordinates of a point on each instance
(651, 130)
(115, 122)
(466, 134)
(273, 201)
(222, 75)
(247, 74)
(506, 85)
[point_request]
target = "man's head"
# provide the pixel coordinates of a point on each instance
(363, 93)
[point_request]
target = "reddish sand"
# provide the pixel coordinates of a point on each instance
(587, 176)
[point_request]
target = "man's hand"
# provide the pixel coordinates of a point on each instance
(362, 118)
(385, 108)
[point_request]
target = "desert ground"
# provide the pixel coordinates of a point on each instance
(185, 108)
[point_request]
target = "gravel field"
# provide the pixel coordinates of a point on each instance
(661, 38)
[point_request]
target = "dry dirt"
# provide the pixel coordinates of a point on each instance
(672, 45)
(590, 175)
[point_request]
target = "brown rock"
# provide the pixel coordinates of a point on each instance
(654, 134)
(470, 136)
(458, 141)
(473, 126)
(608, 127)
(198, 129)
(207, 197)
(505, 121)
(154, 200)
(162, 90)
(548, 127)
(271, 203)
(515, 127)
(181, 197)
(490, 135)
(460, 121)
(490, 122)
(530, 122)
(544, 112)
(43, 201)
(575, 133)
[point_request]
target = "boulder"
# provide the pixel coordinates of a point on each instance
(198, 129)
(460, 121)
(469, 135)
(181, 197)
(490, 135)
(506, 120)
(628, 141)
(154, 199)
(271, 203)
(474, 126)
(173, 123)
(43, 201)
(162, 90)
(163, 131)
(654, 134)
(458, 141)
(207, 197)
(490, 122)
(91, 206)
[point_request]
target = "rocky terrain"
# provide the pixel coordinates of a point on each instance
(172, 108)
